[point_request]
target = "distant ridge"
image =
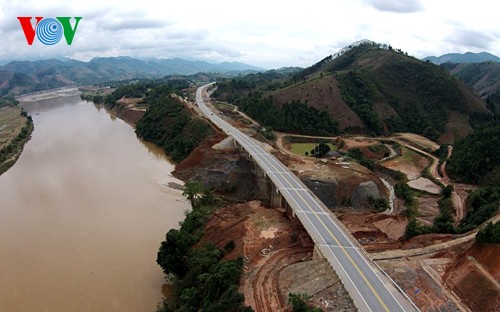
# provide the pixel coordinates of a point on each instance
(18, 77)
(468, 57)
(368, 88)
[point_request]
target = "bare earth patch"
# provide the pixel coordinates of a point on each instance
(410, 163)
(424, 184)
(418, 140)
(11, 123)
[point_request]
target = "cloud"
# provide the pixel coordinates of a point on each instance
(471, 39)
(137, 23)
(268, 34)
(396, 6)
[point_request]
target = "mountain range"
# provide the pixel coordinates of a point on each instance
(367, 88)
(19, 77)
(468, 57)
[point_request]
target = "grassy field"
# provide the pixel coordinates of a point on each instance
(224, 105)
(301, 148)
(11, 123)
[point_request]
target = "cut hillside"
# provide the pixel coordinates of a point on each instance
(322, 93)
(369, 88)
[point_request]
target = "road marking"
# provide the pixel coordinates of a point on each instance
(343, 249)
(270, 160)
(335, 246)
(291, 189)
(311, 212)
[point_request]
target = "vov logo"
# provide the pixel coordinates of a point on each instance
(48, 30)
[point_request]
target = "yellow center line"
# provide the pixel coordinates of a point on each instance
(336, 240)
(347, 254)
(338, 243)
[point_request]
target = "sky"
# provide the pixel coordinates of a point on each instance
(264, 33)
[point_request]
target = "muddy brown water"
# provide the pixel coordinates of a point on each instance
(82, 214)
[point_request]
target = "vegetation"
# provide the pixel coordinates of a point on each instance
(203, 280)
(358, 93)
(489, 235)
(379, 204)
(482, 204)
(321, 149)
(389, 91)
(8, 101)
(475, 158)
(357, 154)
(10, 152)
(442, 152)
(481, 76)
(443, 223)
(403, 191)
(298, 303)
(493, 104)
(232, 89)
(293, 117)
(267, 133)
(167, 122)
(303, 148)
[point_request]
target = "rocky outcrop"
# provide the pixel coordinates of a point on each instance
(227, 172)
(361, 196)
(325, 189)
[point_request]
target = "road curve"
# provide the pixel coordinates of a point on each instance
(369, 288)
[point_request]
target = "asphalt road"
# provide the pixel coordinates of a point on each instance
(369, 288)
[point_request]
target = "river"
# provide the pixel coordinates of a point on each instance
(82, 214)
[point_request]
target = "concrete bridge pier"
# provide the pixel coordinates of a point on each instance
(276, 198)
(264, 185)
(317, 254)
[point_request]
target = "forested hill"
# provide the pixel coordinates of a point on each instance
(458, 58)
(18, 77)
(167, 122)
(475, 158)
(366, 88)
(483, 78)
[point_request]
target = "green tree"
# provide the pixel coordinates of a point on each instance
(173, 253)
(192, 190)
(489, 235)
(446, 193)
(298, 303)
(475, 158)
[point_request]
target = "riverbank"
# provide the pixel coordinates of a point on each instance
(15, 130)
(16, 126)
(84, 195)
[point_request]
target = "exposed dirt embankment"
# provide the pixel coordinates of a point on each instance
(376, 232)
(127, 110)
(277, 254)
(337, 183)
(475, 275)
(228, 172)
(15, 131)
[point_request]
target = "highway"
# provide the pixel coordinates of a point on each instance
(369, 288)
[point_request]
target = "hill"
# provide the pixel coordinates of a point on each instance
(475, 158)
(19, 77)
(483, 77)
(374, 89)
(467, 57)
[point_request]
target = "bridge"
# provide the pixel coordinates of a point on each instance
(369, 287)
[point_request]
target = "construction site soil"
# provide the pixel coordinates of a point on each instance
(278, 253)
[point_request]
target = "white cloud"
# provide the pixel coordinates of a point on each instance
(263, 33)
(396, 6)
